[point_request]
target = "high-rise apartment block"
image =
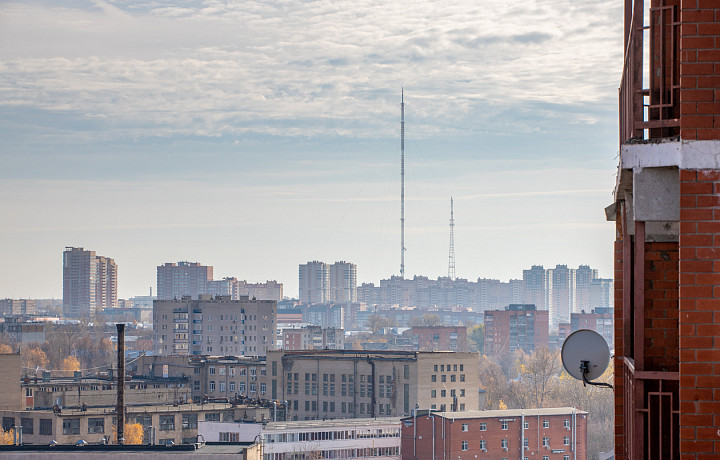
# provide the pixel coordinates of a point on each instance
(342, 282)
(89, 282)
(535, 286)
(214, 326)
(17, 307)
(230, 286)
(518, 327)
(178, 280)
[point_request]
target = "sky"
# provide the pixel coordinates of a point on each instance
(255, 136)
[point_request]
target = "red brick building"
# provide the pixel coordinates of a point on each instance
(439, 338)
(518, 327)
(667, 249)
(532, 434)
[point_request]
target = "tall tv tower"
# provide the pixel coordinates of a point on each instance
(451, 263)
(402, 183)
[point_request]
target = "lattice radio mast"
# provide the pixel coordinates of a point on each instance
(402, 183)
(451, 263)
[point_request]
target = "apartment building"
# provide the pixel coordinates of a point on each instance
(89, 282)
(438, 338)
(518, 327)
(214, 326)
(182, 279)
(17, 307)
(320, 384)
(598, 319)
(342, 279)
(16, 331)
(537, 434)
(311, 337)
(314, 285)
(235, 289)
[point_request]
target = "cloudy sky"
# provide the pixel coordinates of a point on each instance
(257, 135)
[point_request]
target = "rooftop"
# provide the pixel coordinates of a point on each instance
(509, 413)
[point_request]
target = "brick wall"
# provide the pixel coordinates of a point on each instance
(699, 312)
(700, 70)
(661, 307)
(619, 335)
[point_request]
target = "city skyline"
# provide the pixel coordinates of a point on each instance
(258, 137)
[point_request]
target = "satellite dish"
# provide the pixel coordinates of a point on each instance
(585, 356)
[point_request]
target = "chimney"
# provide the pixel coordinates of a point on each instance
(120, 408)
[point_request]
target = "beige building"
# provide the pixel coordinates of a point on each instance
(10, 396)
(342, 282)
(214, 326)
(162, 423)
(17, 307)
(321, 384)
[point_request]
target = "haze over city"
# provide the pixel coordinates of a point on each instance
(258, 136)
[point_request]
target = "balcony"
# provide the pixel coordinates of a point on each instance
(649, 96)
(651, 413)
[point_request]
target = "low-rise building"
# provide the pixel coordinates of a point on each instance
(539, 434)
(599, 320)
(377, 438)
(162, 424)
(320, 384)
(438, 338)
(17, 307)
(16, 330)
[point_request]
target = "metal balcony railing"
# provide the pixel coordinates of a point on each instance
(649, 98)
(651, 413)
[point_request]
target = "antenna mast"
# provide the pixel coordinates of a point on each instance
(451, 264)
(402, 183)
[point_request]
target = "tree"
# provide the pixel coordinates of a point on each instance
(431, 319)
(5, 349)
(133, 433)
(376, 322)
(34, 358)
(494, 381)
(536, 376)
(6, 437)
(69, 365)
(476, 338)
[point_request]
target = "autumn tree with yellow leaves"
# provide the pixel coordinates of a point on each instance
(69, 365)
(133, 433)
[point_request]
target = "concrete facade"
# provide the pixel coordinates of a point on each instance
(177, 280)
(89, 282)
(214, 325)
(354, 384)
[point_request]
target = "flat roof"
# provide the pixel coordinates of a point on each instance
(333, 424)
(507, 413)
(158, 408)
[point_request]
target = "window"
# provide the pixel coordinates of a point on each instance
(212, 370)
(566, 441)
(462, 377)
(189, 421)
(232, 387)
(526, 443)
(144, 420)
(406, 371)
(566, 457)
(464, 445)
(546, 441)
(443, 393)
(222, 370)
(433, 393)
(46, 426)
(464, 427)
(482, 444)
(504, 443)
(546, 423)
(527, 425)
(222, 387)
(27, 425)
(443, 378)
(71, 426)
(483, 427)
(8, 423)
(96, 425)
(566, 424)
(504, 424)
(212, 385)
(452, 378)
(229, 437)
(212, 417)
(546, 457)
(167, 423)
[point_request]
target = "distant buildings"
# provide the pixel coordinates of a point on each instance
(90, 282)
(15, 331)
(323, 283)
(214, 325)
(438, 338)
(19, 307)
(312, 338)
(518, 327)
(182, 279)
